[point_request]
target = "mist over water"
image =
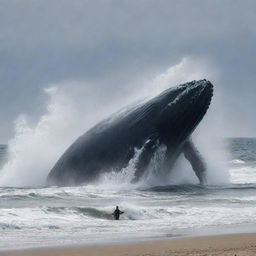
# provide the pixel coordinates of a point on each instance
(72, 108)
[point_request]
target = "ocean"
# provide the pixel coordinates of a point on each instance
(59, 216)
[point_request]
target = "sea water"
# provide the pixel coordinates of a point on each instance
(56, 216)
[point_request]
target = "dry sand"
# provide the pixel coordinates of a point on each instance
(224, 245)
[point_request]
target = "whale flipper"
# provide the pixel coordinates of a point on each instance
(148, 150)
(192, 154)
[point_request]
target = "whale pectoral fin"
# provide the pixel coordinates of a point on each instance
(194, 157)
(147, 152)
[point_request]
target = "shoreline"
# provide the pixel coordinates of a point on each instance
(181, 234)
(228, 244)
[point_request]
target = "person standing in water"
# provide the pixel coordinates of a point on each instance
(117, 213)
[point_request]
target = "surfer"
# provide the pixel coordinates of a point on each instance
(117, 213)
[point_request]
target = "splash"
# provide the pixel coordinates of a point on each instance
(68, 113)
(33, 150)
(123, 178)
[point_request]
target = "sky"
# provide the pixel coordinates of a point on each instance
(113, 45)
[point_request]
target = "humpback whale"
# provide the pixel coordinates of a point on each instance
(168, 119)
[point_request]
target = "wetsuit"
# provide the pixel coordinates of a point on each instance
(117, 214)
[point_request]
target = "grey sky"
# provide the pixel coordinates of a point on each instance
(111, 43)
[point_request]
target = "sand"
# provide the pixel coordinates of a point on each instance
(224, 245)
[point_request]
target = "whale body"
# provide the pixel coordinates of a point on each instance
(168, 119)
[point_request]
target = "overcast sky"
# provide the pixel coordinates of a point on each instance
(111, 43)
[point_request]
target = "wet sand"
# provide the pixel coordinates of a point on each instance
(224, 245)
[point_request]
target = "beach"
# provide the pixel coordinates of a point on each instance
(224, 245)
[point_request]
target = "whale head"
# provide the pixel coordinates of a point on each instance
(182, 108)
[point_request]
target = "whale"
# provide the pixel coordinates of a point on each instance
(168, 119)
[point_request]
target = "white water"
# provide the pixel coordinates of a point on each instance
(36, 217)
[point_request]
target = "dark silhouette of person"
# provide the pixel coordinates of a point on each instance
(117, 213)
